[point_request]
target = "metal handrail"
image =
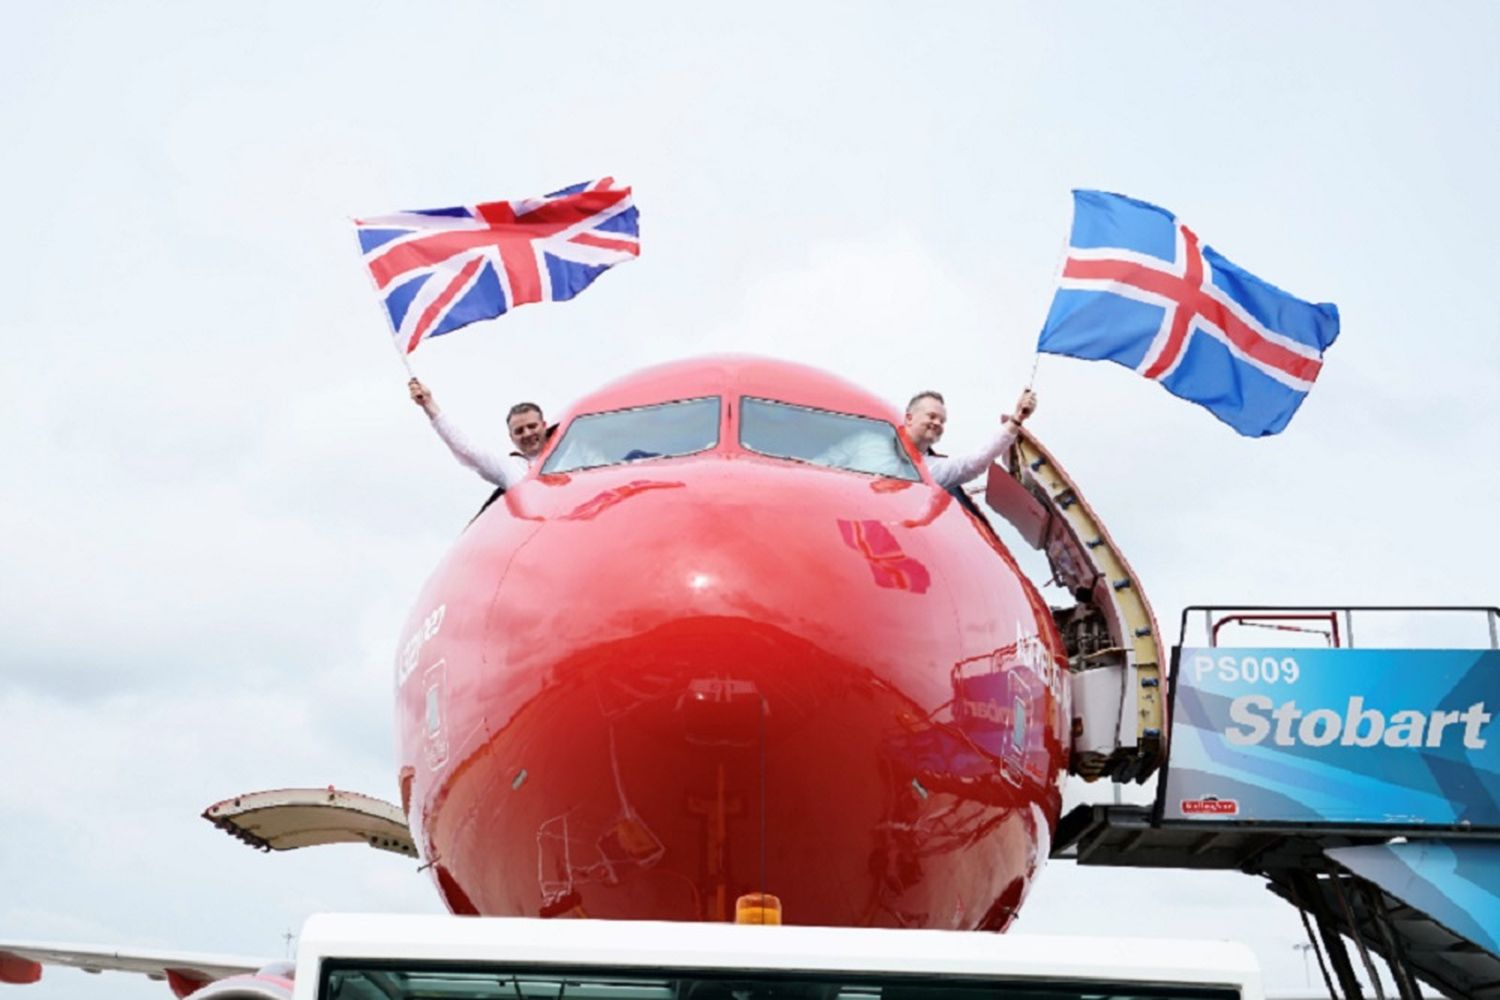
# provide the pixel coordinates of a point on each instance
(1265, 619)
(1244, 612)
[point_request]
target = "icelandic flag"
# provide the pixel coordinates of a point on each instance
(1137, 289)
(442, 268)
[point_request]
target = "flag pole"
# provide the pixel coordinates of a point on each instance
(1057, 273)
(401, 352)
(405, 361)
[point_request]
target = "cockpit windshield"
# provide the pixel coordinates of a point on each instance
(620, 436)
(822, 437)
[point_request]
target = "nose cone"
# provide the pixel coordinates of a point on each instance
(687, 688)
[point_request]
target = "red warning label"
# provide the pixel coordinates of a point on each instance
(1210, 806)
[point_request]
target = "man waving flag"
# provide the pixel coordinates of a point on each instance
(442, 268)
(1138, 289)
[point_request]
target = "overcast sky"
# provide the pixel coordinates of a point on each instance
(219, 503)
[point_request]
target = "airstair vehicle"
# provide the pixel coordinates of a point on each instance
(1417, 883)
(1373, 807)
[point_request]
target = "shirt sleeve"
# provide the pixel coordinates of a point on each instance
(955, 471)
(502, 470)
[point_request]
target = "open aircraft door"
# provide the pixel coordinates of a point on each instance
(1114, 652)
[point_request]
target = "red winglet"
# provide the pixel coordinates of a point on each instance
(17, 970)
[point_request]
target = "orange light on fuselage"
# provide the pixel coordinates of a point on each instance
(757, 908)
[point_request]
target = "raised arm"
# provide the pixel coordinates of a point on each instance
(955, 471)
(502, 470)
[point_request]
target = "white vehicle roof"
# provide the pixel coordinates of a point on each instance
(699, 946)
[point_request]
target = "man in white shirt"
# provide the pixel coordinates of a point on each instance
(927, 416)
(528, 432)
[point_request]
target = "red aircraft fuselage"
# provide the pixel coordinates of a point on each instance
(644, 688)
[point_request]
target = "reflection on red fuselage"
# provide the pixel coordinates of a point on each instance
(644, 690)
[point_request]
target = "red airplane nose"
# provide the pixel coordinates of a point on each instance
(665, 691)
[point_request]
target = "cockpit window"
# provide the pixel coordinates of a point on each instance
(822, 437)
(620, 436)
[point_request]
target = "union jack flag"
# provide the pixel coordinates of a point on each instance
(1138, 289)
(442, 268)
